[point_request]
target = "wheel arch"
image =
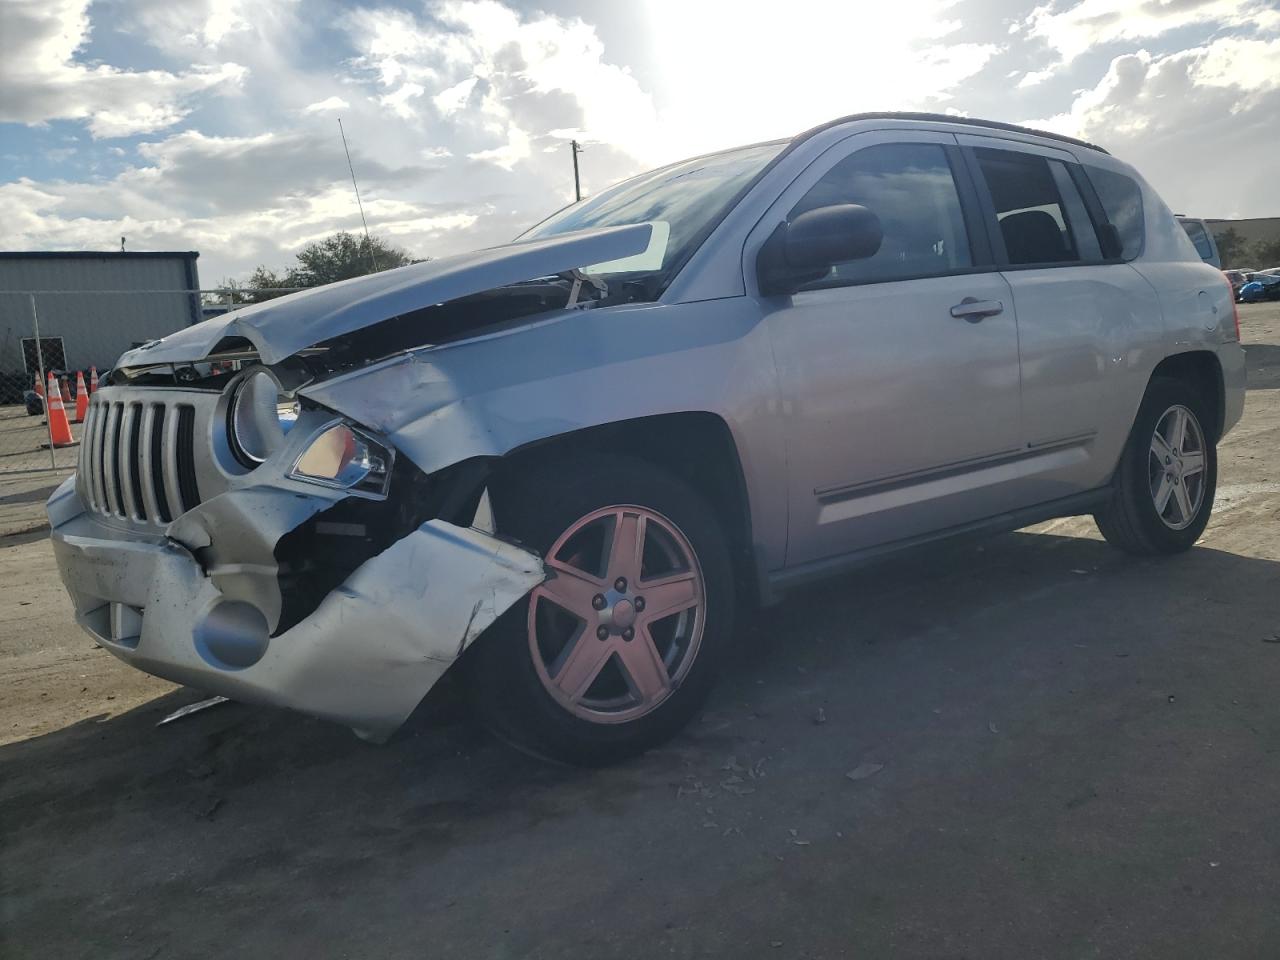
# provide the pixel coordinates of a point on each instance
(1203, 370)
(697, 447)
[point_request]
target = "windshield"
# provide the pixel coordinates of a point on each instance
(683, 202)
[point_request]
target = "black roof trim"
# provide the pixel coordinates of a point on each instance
(97, 254)
(949, 118)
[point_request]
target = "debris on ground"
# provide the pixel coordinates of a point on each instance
(192, 708)
(864, 770)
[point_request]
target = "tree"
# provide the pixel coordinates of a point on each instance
(1266, 253)
(338, 257)
(1232, 248)
(346, 255)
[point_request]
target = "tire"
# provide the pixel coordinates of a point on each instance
(523, 674)
(1133, 520)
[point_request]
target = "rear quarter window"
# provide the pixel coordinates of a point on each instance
(1121, 199)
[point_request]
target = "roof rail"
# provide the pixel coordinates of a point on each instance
(948, 118)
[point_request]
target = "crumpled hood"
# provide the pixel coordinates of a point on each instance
(280, 328)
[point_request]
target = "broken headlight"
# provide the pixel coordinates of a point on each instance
(259, 416)
(342, 456)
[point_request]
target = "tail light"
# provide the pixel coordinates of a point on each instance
(1235, 307)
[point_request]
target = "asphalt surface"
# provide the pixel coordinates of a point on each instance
(1031, 747)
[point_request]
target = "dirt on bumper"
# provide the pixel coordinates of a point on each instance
(365, 656)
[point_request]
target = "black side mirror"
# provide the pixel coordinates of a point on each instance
(805, 248)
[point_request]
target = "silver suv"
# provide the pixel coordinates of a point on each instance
(564, 464)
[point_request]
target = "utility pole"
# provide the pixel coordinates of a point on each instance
(577, 184)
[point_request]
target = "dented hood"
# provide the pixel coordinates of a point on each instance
(280, 328)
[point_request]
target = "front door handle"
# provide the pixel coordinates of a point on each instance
(974, 310)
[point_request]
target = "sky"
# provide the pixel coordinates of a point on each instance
(212, 125)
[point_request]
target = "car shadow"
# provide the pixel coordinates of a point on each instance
(1263, 361)
(250, 795)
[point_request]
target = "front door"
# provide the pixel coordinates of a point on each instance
(898, 374)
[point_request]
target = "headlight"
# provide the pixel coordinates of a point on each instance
(342, 456)
(258, 418)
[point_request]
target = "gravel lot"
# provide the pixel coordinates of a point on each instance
(1059, 752)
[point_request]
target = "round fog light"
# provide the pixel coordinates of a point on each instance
(232, 635)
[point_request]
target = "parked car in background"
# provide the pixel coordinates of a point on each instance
(1237, 279)
(1203, 240)
(567, 463)
(1262, 287)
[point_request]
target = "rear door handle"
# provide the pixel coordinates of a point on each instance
(974, 310)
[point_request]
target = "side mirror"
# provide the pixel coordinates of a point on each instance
(805, 248)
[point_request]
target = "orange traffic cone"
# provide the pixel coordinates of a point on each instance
(65, 391)
(39, 387)
(82, 398)
(59, 429)
(93, 379)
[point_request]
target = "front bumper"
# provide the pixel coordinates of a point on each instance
(364, 657)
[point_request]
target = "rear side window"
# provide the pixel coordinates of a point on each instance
(909, 186)
(1121, 199)
(1198, 237)
(1033, 215)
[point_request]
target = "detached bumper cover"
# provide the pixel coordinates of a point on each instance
(365, 657)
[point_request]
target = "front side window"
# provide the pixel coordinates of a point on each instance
(1121, 200)
(910, 187)
(1033, 216)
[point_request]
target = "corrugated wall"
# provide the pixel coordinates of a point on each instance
(95, 327)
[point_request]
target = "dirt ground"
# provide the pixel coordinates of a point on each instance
(1058, 751)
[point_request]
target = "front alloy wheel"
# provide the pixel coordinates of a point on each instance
(618, 622)
(617, 648)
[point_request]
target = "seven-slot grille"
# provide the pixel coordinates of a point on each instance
(137, 459)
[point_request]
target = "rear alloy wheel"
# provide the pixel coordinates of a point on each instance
(1163, 489)
(1175, 467)
(617, 648)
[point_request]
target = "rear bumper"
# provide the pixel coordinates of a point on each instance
(364, 657)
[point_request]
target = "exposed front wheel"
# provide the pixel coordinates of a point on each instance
(1164, 486)
(616, 650)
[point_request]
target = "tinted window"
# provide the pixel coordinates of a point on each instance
(909, 186)
(1121, 199)
(1033, 217)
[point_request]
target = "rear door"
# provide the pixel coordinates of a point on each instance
(1085, 321)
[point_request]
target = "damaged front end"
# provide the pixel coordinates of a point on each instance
(231, 529)
(280, 592)
(332, 577)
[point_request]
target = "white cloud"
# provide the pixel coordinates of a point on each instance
(1073, 29)
(509, 154)
(502, 77)
(1199, 123)
(327, 105)
(731, 77)
(1034, 77)
(239, 200)
(41, 79)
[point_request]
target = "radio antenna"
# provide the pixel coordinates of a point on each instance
(355, 186)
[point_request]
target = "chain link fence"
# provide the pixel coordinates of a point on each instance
(72, 335)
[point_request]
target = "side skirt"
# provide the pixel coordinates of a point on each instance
(779, 581)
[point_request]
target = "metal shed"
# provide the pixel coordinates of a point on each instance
(92, 305)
